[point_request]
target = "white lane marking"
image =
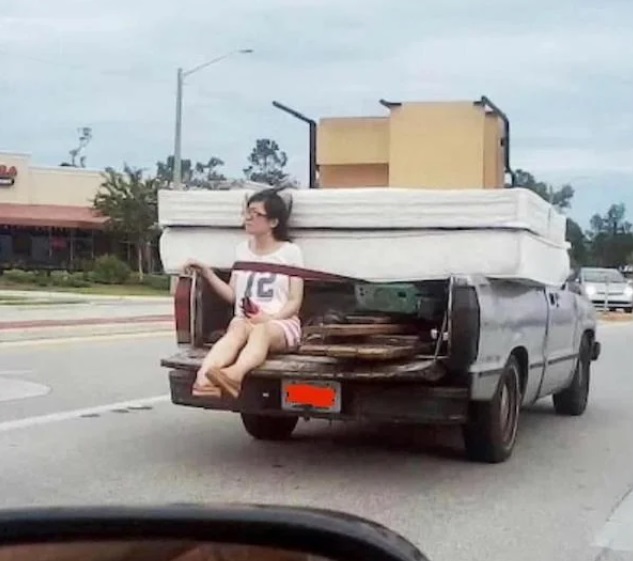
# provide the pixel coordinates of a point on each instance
(617, 533)
(13, 390)
(39, 420)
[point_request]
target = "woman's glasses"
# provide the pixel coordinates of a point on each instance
(250, 213)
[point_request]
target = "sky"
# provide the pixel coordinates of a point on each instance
(562, 71)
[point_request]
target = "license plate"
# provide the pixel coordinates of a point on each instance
(311, 396)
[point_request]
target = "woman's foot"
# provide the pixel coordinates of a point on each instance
(202, 387)
(222, 378)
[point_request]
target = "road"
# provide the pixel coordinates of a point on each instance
(88, 421)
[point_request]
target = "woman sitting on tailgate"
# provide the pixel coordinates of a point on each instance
(266, 316)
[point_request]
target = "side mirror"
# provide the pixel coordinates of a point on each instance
(227, 533)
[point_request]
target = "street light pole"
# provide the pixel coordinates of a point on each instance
(312, 142)
(177, 179)
(180, 77)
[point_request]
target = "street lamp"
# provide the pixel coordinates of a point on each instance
(180, 76)
(312, 148)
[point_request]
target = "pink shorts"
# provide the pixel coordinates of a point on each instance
(292, 330)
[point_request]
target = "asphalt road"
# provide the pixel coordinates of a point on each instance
(88, 422)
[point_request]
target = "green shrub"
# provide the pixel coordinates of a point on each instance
(41, 279)
(18, 276)
(135, 278)
(109, 269)
(85, 265)
(70, 280)
(77, 280)
(158, 282)
(59, 278)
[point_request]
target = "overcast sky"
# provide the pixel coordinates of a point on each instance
(562, 71)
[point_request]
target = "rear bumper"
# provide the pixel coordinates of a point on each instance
(371, 401)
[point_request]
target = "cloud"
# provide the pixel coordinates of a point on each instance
(562, 71)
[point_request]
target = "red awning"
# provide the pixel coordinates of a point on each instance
(53, 216)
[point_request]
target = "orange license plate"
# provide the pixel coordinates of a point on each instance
(320, 396)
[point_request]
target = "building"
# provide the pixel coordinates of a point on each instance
(46, 216)
(443, 145)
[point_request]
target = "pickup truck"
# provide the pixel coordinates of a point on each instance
(471, 352)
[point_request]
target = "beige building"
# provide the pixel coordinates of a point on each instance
(46, 216)
(433, 145)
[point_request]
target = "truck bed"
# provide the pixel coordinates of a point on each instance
(388, 367)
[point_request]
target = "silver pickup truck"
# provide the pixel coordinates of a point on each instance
(472, 352)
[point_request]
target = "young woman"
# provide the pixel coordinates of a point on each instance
(266, 304)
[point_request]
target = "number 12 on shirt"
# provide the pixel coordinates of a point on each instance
(263, 284)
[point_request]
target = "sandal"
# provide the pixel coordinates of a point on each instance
(221, 379)
(208, 390)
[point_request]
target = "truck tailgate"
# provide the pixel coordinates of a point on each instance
(421, 368)
(385, 392)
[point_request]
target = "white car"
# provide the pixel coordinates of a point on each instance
(607, 288)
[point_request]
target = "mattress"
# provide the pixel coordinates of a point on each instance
(404, 255)
(375, 209)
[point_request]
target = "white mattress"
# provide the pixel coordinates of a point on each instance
(389, 256)
(376, 209)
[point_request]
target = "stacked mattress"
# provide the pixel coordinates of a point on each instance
(383, 234)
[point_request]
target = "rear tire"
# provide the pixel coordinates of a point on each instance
(629, 310)
(491, 430)
(263, 427)
(572, 401)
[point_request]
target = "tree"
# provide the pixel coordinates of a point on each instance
(85, 136)
(580, 251)
(611, 237)
(560, 198)
(165, 171)
(201, 175)
(206, 174)
(131, 203)
(266, 164)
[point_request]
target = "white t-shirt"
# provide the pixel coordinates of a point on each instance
(270, 291)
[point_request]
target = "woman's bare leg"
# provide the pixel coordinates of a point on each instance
(223, 351)
(263, 338)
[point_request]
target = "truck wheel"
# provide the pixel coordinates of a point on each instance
(572, 401)
(491, 430)
(263, 427)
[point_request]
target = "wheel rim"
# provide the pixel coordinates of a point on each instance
(508, 408)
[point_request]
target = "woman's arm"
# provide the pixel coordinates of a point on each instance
(226, 291)
(295, 299)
